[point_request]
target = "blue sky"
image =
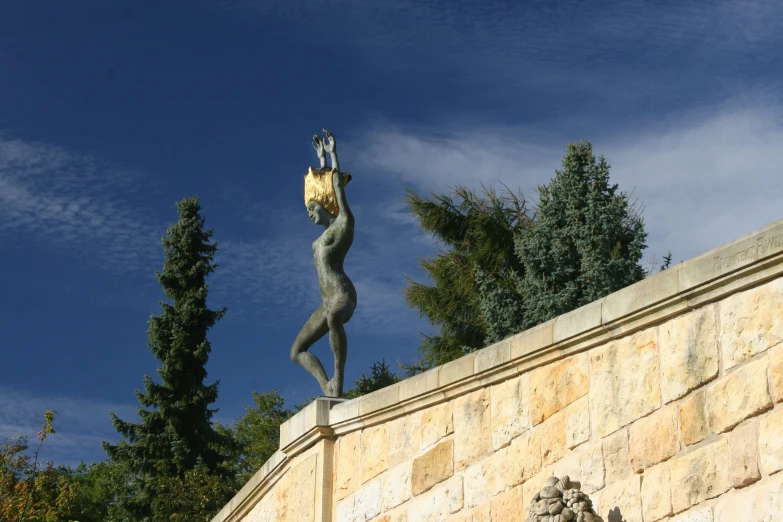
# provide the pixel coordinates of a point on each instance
(112, 111)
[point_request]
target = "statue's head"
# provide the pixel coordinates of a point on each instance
(319, 215)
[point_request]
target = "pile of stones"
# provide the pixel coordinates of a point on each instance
(562, 501)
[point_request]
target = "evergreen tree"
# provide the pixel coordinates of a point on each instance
(476, 233)
(586, 243)
(380, 377)
(176, 433)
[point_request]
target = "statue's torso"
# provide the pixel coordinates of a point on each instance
(329, 252)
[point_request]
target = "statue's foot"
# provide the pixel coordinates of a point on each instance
(333, 388)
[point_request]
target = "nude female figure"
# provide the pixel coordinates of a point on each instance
(337, 291)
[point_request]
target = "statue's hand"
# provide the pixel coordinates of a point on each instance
(318, 145)
(329, 143)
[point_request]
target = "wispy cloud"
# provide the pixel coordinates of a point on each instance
(81, 424)
(704, 178)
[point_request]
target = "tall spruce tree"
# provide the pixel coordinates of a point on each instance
(586, 243)
(176, 433)
(476, 233)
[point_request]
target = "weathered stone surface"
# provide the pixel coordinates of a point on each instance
(737, 396)
(465, 516)
(771, 442)
(367, 501)
(431, 507)
(396, 486)
(375, 451)
(751, 322)
(656, 493)
(523, 459)
(654, 438)
(585, 465)
(700, 475)
(265, 510)
(404, 438)
(398, 515)
(347, 472)
(509, 410)
(577, 423)
(486, 479)
(551, 436)
(435, 466)
(624, 382)
(744, 455)
(507, 506)
(455, 494)
(436, 423)
(472, 434)
(693, 418)
(556, 385)
(622, 500)
(617, 460)
(689, 352)
(776, 373)
(482, 513)
(296, 493)
(346, 509)
(695, 515)
(762, 502)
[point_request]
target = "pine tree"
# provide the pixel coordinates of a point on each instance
(587, 241)
(477, 235)
(176, 433)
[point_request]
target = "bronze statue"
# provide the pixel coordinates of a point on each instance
(327, 206)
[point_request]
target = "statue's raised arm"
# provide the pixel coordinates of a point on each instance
(339, 178)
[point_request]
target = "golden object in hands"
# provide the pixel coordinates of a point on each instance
(319, 187)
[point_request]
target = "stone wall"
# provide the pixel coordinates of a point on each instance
(665, 400)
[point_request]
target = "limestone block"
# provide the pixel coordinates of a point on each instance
(776, 373)
(465, 516)
(472, 433)
(396, 486)
(523, 459)
(737, 396)
(744, 454)
(346, 511)
(347, 473)
(455, 494)
(693, 418)
(458, 370)
(507, 506)
(296, 493)
(404, 438)
(751, 322)
(486, 479)
(265, 510)
(482, 513)
(508, 410)
(551, 436)
(556, 385)
(762, 502)
(585, 465)
(433, 467)
(624, 382)
(700, 475)
(375, 451)
(689, 353)
(577, 423)
(695, 515)
(492, 356)
(398, 515)
(771, 442)
(617, 460)
(656, 493)
(431, 507)
(654, 439)
(436, 423)
(367, 501)
(622, 500)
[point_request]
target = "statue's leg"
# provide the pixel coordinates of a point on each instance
(315, 328)
(341, 312)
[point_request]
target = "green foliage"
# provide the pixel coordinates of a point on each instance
(257, 433)
(196, 496)
(176, 432)
(103, 487)
(27, 491)
(476, 232)
(380, 377)
(586, 243)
